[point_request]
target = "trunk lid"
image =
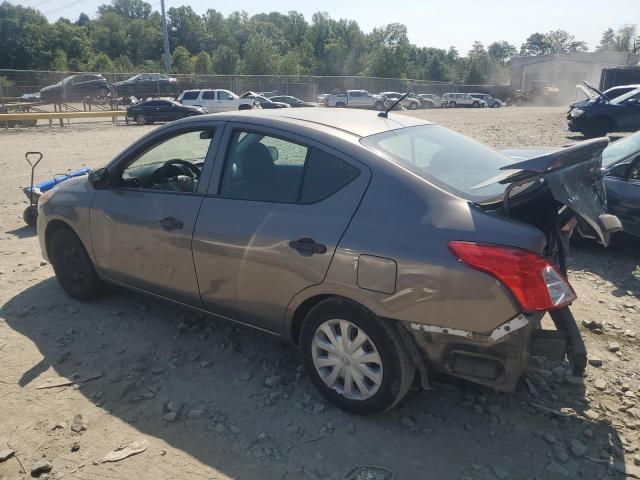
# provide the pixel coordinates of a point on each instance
(574, 177)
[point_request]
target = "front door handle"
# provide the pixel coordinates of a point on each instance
(307, 246)
(170, 223)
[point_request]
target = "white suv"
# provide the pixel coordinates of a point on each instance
(215, 100)
(453, 100)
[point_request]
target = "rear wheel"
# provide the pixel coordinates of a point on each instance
(72, 266)
(453, 105)
(356, 360)
(413, 106)
(30, 215)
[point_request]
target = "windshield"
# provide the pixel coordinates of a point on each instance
(621, 149)
(447, 159)
(625, 97)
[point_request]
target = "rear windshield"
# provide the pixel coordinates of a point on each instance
(447, 159)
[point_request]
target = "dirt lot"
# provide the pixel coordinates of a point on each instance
(212, 401)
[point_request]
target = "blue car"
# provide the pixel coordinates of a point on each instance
(593, 97)
(491, 101)
(598, 118)
(621, 170)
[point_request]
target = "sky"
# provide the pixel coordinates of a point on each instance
(430, 23)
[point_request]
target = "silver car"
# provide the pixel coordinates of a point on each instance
(384, 246)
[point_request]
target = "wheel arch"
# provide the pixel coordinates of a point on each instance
(52, 227)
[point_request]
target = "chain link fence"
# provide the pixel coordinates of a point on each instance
(15, 84)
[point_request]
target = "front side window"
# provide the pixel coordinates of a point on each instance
(224, 95)
(447, 159)
(174, 164)
(265, 168)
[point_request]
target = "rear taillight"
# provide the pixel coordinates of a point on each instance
(535, 282)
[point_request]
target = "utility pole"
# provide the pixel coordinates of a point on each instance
(165, 35)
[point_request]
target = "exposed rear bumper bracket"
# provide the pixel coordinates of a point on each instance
(576, 350)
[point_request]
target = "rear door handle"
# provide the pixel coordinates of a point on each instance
(170, 223)
(307, 246)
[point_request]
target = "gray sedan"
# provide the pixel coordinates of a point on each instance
(385, 247)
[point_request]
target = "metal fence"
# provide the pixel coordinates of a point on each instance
(16, 83)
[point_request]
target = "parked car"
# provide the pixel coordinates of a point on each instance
(592, 96)
(430, 100)
(597, 119)
(215, 100)
(264, 102)
(146, 85)
(488, 99)
(355, 99)
(76, 87)
(340, 233)
(621, 166)
(454, 100)
(410, 102)
(322, 96)
(152, 111)
(291, 101)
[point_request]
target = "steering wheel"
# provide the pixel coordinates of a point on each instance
(188, 168)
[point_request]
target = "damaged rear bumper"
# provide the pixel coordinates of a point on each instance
(497, 359)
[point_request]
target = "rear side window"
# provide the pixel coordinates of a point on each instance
(325, 175)
(265, 168)
(209, 95)
(190, 95)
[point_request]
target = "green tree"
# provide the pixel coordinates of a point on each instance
(501, 51)
(24, 36)
(186, 28)
(389, 55)
(101, 63)
(608, 40)
(202, 63)
(260, 55)
(123, 64)
(625, 38)
(181, 61)
(60, 62)
(225, 60)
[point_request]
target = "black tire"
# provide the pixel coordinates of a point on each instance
(72, 266)
(596, 127)
(476, 105)
(141, 119)
(453, 105)
(379, 106)
(413, 106)
(397, 366)
(103, 91)
(30, 215)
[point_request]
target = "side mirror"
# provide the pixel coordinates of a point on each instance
(99, 179)
(274, 152)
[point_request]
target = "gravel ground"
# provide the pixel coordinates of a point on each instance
(207, 400)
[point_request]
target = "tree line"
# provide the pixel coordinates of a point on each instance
(126, 36)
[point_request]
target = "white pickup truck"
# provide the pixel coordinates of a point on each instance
(355, 99)
(215, 100)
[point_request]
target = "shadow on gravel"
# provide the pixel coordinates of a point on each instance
(23, 232)
(618, 264)
(238, 401)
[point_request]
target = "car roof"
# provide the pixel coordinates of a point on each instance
(361, 123)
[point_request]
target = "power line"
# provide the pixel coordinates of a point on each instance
(63, 7)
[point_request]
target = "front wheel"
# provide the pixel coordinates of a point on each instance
(141, 119)
(453, 105)
(30, 215)
(379, 106)
(356, 360)
(72, 266)
(413, 106)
